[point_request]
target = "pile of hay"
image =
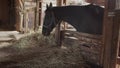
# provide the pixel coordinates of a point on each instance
(37, 51)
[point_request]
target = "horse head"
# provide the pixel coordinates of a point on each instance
(49, 20)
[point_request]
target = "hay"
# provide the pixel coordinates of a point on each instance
(54, 57)
(37, 51)
(34, 40)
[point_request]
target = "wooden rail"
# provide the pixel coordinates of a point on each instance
(86, 37)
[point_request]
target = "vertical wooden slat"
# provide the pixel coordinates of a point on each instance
(115, 48)
(111, 27)
(107, 42)
(21, 8)
(38, 14)
(57, 30)
(57, 35)
(19, 15)
(118, 55)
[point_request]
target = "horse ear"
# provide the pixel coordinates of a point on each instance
(50, 4)
(47, 6)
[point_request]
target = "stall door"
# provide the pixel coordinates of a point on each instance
(111, 33)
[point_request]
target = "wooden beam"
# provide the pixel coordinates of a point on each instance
(57, 35)
(110, 35)
(38, 14)
(57, 30)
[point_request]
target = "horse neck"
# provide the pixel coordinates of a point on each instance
(63, 14)
(58, 14)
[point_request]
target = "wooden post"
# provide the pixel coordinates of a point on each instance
(57, 35)
(57, 31)
(111, 44)
(19, 15)
(115, 41)
(110, 34)
(26, 21)
(40, 13)
(37, 20)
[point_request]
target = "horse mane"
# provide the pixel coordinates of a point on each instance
(77, 6)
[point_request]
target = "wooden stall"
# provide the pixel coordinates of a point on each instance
(16, 15)
(110, 38)
(111, 33)
(20, 15)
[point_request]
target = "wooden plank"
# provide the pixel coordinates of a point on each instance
(118, 47)
(57, 30)
(38, 14)
(86, 37)
(106, 38)
(111, 32)
(19, 15)
(107, 42)
(115, 47)
(57, 35)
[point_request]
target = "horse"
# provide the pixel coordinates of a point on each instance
(86, 19)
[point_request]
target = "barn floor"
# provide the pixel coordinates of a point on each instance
(36, 51)
(6, 39)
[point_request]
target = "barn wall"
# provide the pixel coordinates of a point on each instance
(98, 2)
(44, 2)
(4, 12)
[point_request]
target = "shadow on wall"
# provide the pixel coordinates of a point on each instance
(6, 27)
(0, 22)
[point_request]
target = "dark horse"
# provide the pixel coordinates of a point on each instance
(87, 19)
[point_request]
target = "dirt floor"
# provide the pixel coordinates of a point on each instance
(37, 51)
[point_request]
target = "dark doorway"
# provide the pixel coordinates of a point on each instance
(7, 15)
